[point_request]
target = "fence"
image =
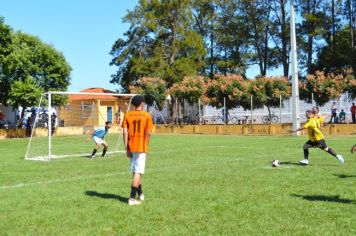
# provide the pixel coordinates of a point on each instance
(183, 113)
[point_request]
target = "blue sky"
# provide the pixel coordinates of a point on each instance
(84, 31)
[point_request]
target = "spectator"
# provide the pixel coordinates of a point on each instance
(53, 122)
(342, 116)
(2, 116)
(333, 113)
(28, 127)
(353, 112)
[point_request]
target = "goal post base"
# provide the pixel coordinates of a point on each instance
(53, 157)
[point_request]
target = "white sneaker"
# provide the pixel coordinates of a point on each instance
(304, 162)
(340, 158)
(133, 202)
(92, 157)
(142, 197)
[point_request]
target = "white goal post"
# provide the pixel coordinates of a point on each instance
(61, 125)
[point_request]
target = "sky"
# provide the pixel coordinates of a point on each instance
(84, 31)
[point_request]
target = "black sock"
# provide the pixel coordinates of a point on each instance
(133, 192)
(332, 152)
(104, 151)
(94, 151)
(139, 190)
(306, 154)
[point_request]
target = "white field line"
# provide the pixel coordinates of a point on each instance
(111, 174)
(45, 158)
(20, 185)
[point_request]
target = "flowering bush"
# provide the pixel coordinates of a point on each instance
(190, 88)
(230, 87)
(153, 89)
(266, 91)
(324, 87)
(350, 82)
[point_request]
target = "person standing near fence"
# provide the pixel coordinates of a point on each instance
(353, 112)
(333, 113)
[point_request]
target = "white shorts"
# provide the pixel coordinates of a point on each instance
(138, 162)
(98, 140)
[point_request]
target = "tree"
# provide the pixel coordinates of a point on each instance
(231, 36)
(229, 88)
(343, 57)
(5, 42)
(153, 89)
(160, 43)
(257, 17)
(324, 87)
(191, 88)
(280, 32)
(24, 94)
(266, 91)
(29, 58)
(204, 14)
(310, 30)
(350, 82)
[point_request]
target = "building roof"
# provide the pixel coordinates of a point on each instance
(80, 97)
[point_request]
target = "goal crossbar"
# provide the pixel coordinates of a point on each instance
(49, 94)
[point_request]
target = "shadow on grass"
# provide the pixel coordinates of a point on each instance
(343, 176)
(323, 198)
(289, 163)
(106, 196)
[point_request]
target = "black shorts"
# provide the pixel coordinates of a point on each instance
(319, 144)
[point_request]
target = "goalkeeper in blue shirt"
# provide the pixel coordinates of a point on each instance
(98, 137)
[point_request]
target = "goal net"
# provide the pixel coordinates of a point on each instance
(63, 122)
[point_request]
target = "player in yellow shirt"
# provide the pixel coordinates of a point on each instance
(137, 126)
(316, 138)
(318, 116)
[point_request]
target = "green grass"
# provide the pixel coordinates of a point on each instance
(206, 185)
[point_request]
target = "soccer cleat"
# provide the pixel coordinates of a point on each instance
(353, 149)
(340, 158)
(133, 202)
(304, 162)
(103, 155)
(141, 197)
(92, 157)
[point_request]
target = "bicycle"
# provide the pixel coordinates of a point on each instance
(270, 118)
(220, 119)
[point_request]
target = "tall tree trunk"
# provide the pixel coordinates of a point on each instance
(310, 40)
(349, 7)
(212, 49)
(284, 40)
(333, 25)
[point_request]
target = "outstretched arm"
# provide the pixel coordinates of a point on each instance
(90, 134)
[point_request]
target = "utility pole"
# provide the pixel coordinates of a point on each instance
(295, 87)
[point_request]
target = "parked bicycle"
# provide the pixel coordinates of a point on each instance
(220, 119)
(270, 118)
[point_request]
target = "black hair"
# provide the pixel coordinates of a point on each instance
(137, 100)
(108, 123)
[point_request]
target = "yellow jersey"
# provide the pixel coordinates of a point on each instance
(313, 127)
(320, 118)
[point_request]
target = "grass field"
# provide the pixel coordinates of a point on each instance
(206, 185)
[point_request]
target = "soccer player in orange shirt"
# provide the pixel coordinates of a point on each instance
(137, 126)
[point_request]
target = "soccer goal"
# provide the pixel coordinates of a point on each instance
(62, 123)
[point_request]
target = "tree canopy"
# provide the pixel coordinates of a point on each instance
(27, 65)
(174, 39)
